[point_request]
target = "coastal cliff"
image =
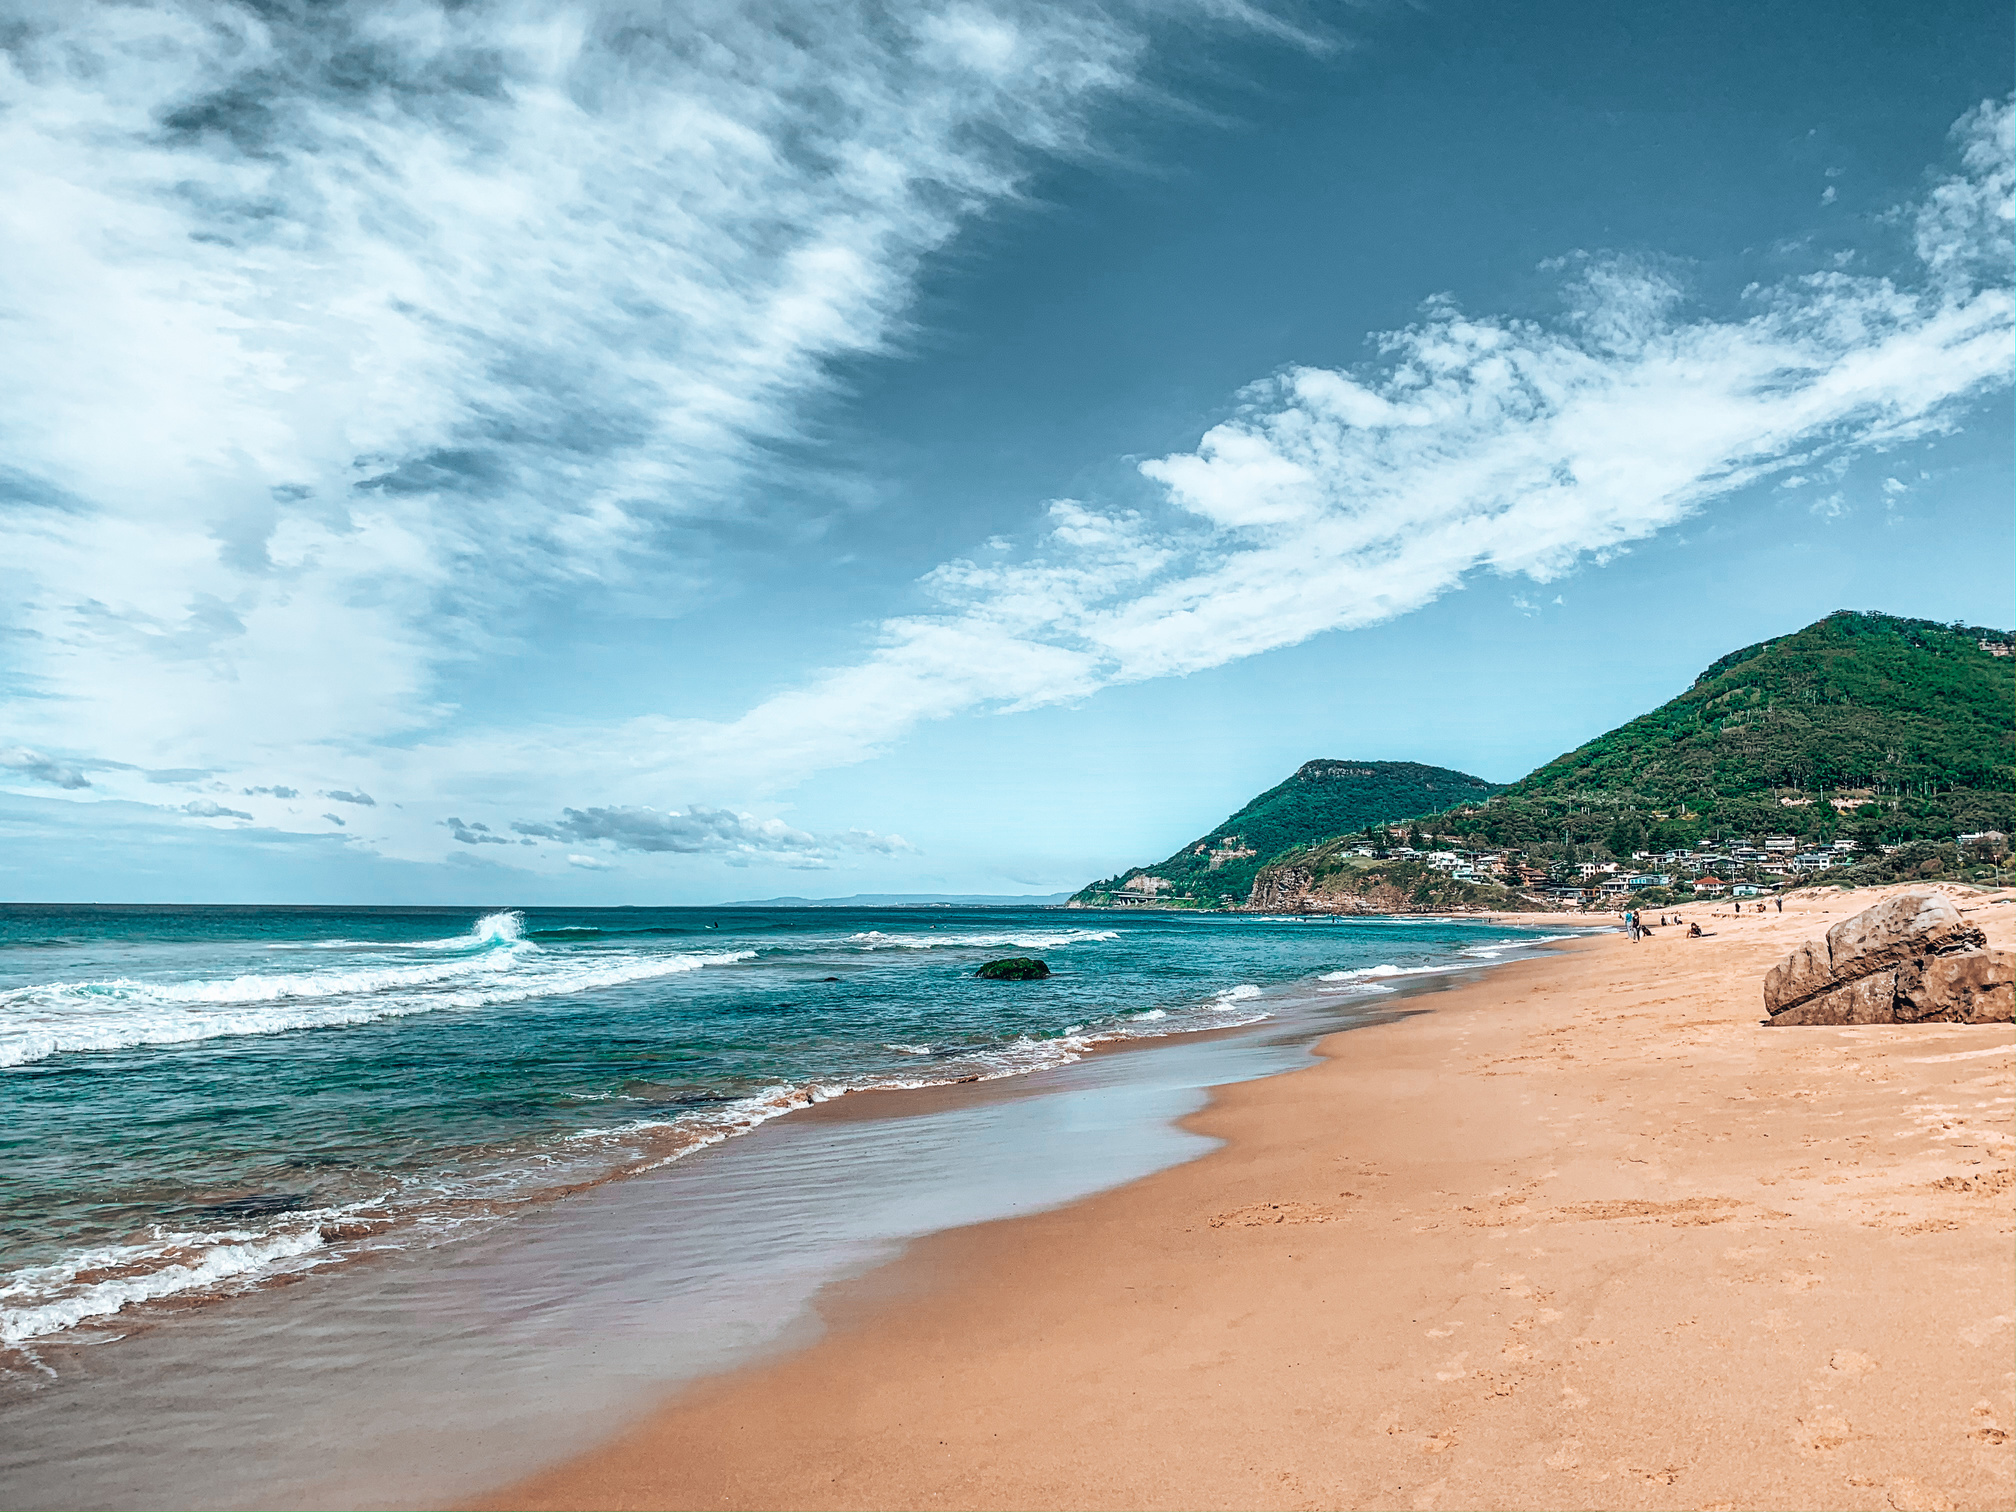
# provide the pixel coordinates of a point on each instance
(1328, 879)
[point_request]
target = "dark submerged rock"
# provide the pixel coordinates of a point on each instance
(1014, 969)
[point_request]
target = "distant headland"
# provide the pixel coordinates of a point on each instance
(910, 900)
(1865, 748)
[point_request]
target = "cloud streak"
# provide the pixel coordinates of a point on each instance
(33, 766)
(339, 335)
(722, 833)
(1338, 499)
(337, 332)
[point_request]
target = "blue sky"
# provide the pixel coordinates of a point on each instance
(621, 453)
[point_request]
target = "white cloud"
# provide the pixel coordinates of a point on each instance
(473, 834)
(1338, 499)
(204, 808)
(722, 833)
(297, 411)
(588, 863)
(334, 333)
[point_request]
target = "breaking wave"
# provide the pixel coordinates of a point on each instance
(38, 1022)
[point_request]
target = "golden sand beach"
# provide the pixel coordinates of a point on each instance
(1582, 1234)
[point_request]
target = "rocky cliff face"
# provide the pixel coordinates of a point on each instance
(1320, 886)
(1292, 889)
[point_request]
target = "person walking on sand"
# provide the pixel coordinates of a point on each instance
(1780, 901)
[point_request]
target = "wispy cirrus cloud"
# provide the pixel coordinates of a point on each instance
(1336, 499)
(338, 333)
(335, 331)
(1342, 498)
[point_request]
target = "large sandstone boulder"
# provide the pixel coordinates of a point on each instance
(1975, 987)
(1910, 959)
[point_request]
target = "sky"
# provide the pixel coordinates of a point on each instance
(608, 453)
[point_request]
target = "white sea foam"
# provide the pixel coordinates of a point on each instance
(97, 1283)
(1494, 949)
(1366, 973)
(37, 1022)
(41, 1300)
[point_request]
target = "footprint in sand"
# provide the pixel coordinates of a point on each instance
(1986, 1430)
(1821, 1432)
(1907, 1495)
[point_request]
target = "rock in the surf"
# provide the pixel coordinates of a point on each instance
(1014, 969)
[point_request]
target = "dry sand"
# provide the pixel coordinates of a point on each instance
(1582, 1235)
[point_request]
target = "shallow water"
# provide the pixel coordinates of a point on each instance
(490, 1327)
(199, 1098)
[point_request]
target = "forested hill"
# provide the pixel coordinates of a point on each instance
(1867, 725)
(1323, 798)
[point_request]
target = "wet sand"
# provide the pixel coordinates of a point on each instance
(1581, 1234)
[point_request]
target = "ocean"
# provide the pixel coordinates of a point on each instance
(202, 1103)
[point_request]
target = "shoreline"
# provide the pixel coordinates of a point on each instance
(526, 1343)
(361, 1233)
(1429, 1270)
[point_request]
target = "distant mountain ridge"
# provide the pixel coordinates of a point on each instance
(1877, 727)
(909, 900)
(1862, 726)
(1324, 797)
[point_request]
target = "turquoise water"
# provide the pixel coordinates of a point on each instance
(200, 1099)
